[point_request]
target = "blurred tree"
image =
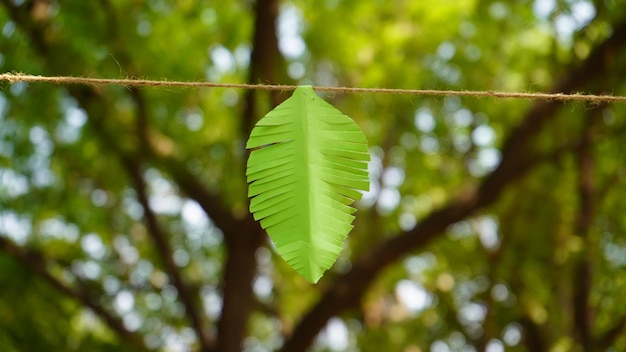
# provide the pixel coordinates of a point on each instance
(490, 224)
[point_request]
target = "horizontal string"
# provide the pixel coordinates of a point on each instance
(131, 82)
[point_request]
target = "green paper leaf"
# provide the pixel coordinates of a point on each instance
(311, 165)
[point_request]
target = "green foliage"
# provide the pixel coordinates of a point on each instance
(311, 164)
(507, 274)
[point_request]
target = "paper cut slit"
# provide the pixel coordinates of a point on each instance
(310, 165)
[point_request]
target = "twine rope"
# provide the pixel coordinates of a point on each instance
(131, 82)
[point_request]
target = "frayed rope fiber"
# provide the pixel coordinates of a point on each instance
(18, 77)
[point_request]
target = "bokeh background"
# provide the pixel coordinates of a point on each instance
(490, 224)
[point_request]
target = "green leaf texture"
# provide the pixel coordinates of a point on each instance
(311, 165)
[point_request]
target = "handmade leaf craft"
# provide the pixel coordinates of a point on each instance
(311, 165)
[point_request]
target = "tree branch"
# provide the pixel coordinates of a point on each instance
(94, 105)
(243, 243)
(608, 338)
(264, 59)
(211, 204)
(36, 263)
(164, 249)
(533, 338)
(158, 235)
(189, 184)
(581, 284)
(348, 288)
